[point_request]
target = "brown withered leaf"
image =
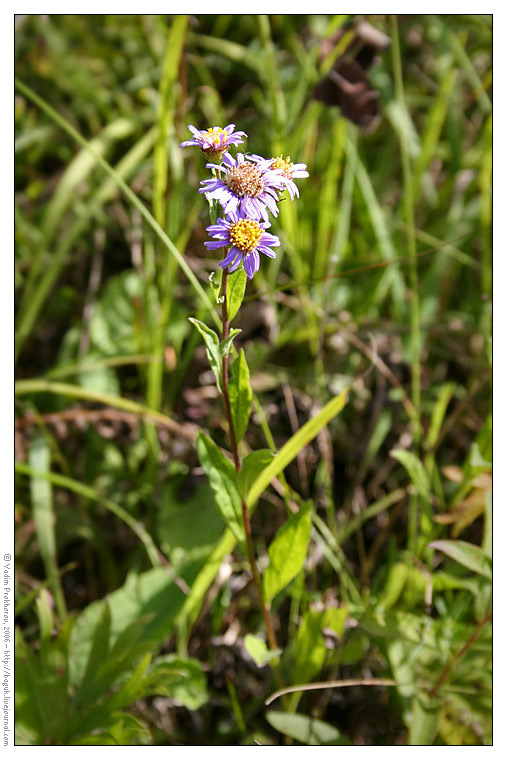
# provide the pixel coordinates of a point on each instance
(463, 514)
(347, 85)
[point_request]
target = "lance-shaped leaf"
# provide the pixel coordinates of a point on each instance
(240, 396)
(211, 343)
(298, 441)
(225, 345)
(236, 284)
(222, 478)
(251, 467)
(287, 552)
(415, 469)
(468, 555)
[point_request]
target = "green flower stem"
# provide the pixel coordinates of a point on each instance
(237, 462)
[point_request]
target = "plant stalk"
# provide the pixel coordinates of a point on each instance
(237, 462)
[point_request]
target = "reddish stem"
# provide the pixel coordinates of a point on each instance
(237, 462)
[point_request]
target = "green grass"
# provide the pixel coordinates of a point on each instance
(382, 285)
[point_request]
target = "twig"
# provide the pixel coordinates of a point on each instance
(331, 685)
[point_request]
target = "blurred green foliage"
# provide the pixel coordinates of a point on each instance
(132, 604)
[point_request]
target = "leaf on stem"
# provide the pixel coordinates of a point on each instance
(251, 467)
(287, 552)
(225, 345)
(240, 397)
(212, 345)
(222, 478)
(236, 284)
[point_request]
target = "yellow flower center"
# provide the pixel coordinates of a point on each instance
(216, 135)
(285, 164)
(246, 234)
(245, 180)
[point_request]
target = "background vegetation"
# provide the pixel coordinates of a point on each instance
(137, 619)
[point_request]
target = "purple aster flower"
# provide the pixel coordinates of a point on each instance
(249, 188)
(289, 172)
(246, 237)
(214, 141)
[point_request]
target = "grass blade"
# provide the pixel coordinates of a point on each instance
(64, 124)
(299, 440)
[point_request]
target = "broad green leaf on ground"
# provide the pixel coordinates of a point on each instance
(188, 525)
(41, 696)
(287, 552)
(180, 678)
(424, 720)
(416, 471)
(468, 555)
(299, 440)
(151, 593)
(129, 646)
(236, 283)
(100, 645)
(119, 729)
(222, 478)
(304, 729)
(240, 395)
(258, 650)
(211, 343)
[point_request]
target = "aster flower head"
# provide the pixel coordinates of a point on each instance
(247, 187)
(215, 141)
(246, 238)
(288, 172)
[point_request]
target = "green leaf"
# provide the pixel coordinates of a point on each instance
(124, 653)
(395, 583)
(437, 416)
(225, 345)
(309, 652)
(32, 708)
(416, 471)
(299, 440)
(41, 695)
(181, 679)
(258, 650)
(304, 729)
(222, 478)
(44, 518)
(240, 396)
(236, 283)
(424, 720)
(149, 595)
(216, 285)
(133, 689)
(211, 343)
(468, 555)
(287, 552)
(251, 467)
(100, 645)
